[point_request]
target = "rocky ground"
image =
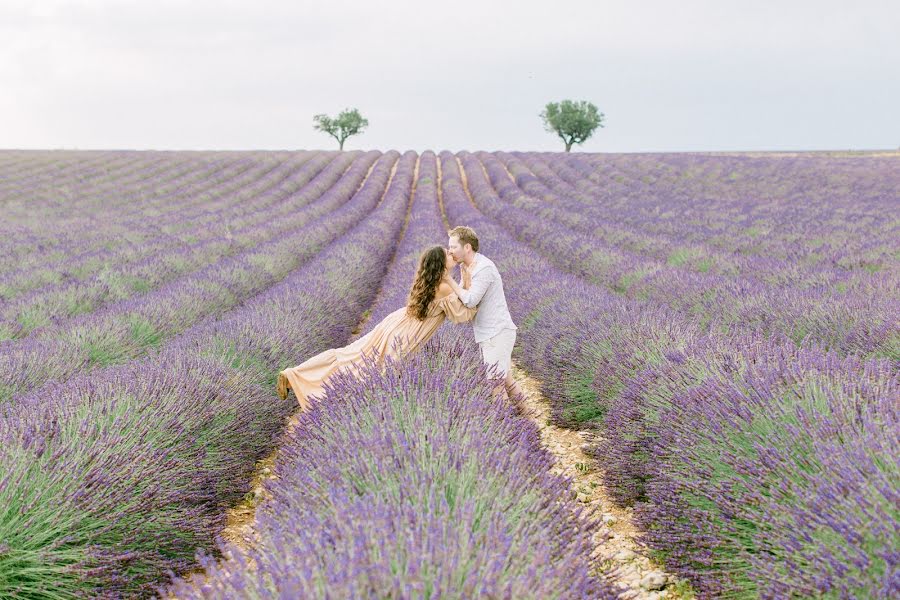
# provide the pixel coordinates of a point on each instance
(618, 557)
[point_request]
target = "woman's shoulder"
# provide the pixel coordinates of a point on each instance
(441, 292)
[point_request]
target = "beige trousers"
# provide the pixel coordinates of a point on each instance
(498, 350)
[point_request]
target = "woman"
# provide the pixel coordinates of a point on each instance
(404, 330)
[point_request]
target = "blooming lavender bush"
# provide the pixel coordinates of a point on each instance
(620, 364)
(157, 187)
(134, 327)
(417, 481)
(135, 476)
(102, 276)
(124, 475)
(851, 319)
(727, 324)
(775, 474)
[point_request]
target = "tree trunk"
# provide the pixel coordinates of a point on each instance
(568, 146)
(341, 145)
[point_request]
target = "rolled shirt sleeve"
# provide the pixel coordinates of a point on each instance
(480, 282)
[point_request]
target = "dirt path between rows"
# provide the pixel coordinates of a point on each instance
(619, 558)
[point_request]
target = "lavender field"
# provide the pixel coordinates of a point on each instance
(725, 326)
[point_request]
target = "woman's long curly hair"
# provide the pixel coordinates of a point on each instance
(428, 277)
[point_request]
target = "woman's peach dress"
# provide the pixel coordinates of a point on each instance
(307, 379)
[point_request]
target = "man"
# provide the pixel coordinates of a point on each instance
(494, 329)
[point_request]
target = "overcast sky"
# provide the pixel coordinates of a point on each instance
(674, 75)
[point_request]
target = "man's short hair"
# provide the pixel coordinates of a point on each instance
(466, 235)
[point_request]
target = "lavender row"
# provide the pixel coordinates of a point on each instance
(123, 278)
(325, 193)
(752, 205)
(22, 232)
(25, 163)
(559, 200)
(761, 469)
(866, 302)
(778, 207)
(533, 195)
(697, 468)
(424, 229)
(864, 322)
(412, 481)
(134, 327)
(160, 200)
(81, 258)
(157, 221)
(246, 190)
(73, 232)
(698, 431)
(85, 184)
(290, 568)
(45, 168)
(150, 172)
(42, 166)
(120, 475)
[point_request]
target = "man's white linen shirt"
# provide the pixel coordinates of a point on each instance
(486, 292)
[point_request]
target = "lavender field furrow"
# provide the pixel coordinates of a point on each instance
(89, 253)
(134, 327)
(423, 229)
(176, 457)
(640, 375)
(416, 447)
(862, 320)
(722, 331)
(139, 273)
(81, 230)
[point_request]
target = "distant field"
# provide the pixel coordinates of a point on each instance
(728, 323)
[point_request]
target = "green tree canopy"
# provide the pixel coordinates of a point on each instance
(348, 123)
(573, 122)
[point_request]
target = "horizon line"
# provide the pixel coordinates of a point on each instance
(208, 150)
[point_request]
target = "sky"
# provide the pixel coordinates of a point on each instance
(668, 76)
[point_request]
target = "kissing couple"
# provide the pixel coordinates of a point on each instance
(435, 296)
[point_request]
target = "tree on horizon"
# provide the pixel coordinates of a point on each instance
(573, 122)
(348, 122)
